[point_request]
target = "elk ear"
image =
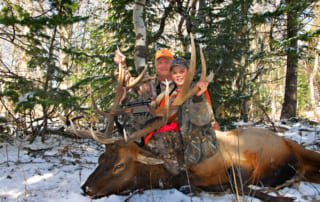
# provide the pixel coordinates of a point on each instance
(149, 160)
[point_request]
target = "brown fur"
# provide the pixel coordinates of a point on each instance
(252, 155)
(308, 162)
(256, 151)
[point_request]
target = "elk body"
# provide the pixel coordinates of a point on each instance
(257, 155)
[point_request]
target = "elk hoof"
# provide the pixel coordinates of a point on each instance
(186, 189)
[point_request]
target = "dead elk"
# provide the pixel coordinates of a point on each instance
(258, 155)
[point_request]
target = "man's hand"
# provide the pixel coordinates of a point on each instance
(119, 57)
(203, 86)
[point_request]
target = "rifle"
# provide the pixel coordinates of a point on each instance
(137, 107)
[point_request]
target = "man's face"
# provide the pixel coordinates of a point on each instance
(163, 67)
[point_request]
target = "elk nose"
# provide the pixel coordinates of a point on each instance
(85, 190)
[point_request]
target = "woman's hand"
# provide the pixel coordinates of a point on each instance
(203, 86)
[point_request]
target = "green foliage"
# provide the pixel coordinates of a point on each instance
(5, 133)
(303, 91)
(225, 45)
(42, 90)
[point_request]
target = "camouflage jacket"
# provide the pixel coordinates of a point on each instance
(145, 92)
(196, 118)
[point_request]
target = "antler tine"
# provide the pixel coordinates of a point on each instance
(95, 107)
(125, 135)
(100, 138)
(138, 79)
(118, 94)
(167, 103)
(203, 66)
(79, 133)
(117, 98)
(186, 85)
(119, 88)
(96, 135)
(76, 132)
(203, 76)
(156, 124)
(116, 101)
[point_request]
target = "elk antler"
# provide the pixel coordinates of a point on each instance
(118, 98)
(114, 110)
(156, 124)
(96, 135)
(116, 101)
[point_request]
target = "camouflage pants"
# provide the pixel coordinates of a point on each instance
(200, 144)
(168, 146)
(195, 117)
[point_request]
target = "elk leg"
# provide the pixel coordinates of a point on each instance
(239, 183)
(138, 191)
(190, 189)
(265, 197)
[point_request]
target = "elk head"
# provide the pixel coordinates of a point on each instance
(123, 166)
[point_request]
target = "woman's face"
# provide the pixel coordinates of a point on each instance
(178, 75)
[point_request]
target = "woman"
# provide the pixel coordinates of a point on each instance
(194, 131)
(196, 120)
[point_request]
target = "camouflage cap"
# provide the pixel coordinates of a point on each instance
(181, 62)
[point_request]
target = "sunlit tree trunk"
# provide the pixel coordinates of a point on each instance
(313, 91)
(140, 52)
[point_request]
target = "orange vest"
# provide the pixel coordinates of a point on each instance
(172, 125)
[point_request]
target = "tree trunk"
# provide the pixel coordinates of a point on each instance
(314, 89)
(289, 107)
(313, 93)
(242, 80)
(140, 53)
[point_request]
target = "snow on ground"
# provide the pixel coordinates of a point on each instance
(56, 169)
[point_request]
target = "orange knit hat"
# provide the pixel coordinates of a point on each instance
(164, 53)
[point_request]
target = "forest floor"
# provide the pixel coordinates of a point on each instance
(56, 169)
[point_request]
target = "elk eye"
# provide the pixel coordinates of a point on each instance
(117, 167)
